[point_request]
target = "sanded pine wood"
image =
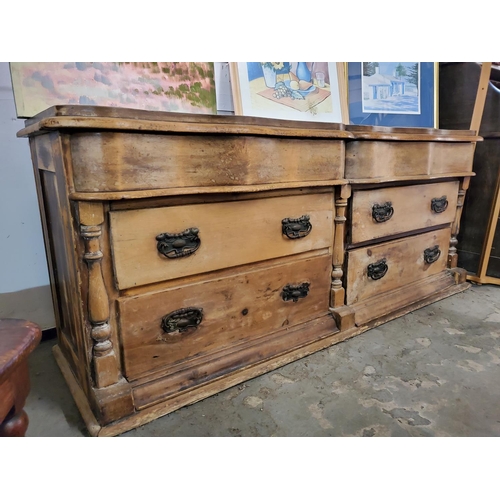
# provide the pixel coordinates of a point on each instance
(337, 297)
(411, 205)
(404, 259)
(231, 234)
(61, 240)
(109, 161)
(398, 302)
(235, 309)
(70, 117)
(387, 159)
(213, 191)
(411, 134)
(272, 350)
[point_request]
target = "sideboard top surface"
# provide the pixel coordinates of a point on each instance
(131, 120)
(368, 132)
(78, 117)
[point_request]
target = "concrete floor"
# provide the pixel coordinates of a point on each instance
(433, 372)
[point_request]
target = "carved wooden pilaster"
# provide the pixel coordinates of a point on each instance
(104, 359)
(455, 228)
(337, 297)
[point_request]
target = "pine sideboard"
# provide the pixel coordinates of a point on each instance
(189, 253)
(407, 192)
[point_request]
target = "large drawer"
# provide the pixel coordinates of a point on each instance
(376, 269)
(118, 161)
(220, 313)
(386, 211)
(230, 234)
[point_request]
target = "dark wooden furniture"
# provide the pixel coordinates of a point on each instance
(479, 245)
(18, 338)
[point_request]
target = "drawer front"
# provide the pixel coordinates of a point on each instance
(379, 268)
(111, 161)
(220, 313)
(387, 211)
(390, 159)
(226, 234)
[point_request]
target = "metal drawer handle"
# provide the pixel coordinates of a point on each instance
(439, 205)
(432, 254)
(180, 321)
(174, 245)
(382, 213)
(296, 228)
(295, 292)
(378, 269)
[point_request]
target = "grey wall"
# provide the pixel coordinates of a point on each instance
(24, 280)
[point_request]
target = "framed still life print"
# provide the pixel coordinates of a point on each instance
(393, 94)
(306, 91)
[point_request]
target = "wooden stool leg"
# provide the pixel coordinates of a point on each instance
(15, 426)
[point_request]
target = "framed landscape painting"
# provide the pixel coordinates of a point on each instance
(306, 91)
(187, 87)
(393, 94)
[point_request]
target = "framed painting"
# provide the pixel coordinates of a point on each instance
(393, 94)
(187, 87)
(307, 91)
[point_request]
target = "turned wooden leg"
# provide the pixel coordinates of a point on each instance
(18, 338)
(15, 426)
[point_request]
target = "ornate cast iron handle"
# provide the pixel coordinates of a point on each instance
(378, 269)
(382, 213)
(295, 292)
(439, 205)
(296, 228)
(432, 254)
(179, 321)
(173, 245)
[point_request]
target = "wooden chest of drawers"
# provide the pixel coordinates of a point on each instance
(189, 253)
(408, 187)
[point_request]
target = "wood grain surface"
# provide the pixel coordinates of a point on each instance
(380, 159)
(231, 234)
(411, 205)
(404, 259)
(108, 161)
(246, 305)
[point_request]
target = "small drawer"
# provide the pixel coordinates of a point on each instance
(379, 268)
(383, 212)
(188, 323)
(393, 159)
(157, 244)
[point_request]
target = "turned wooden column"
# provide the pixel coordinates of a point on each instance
(337, 297)
(18, 338)
(106, 371)
(455, 228)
